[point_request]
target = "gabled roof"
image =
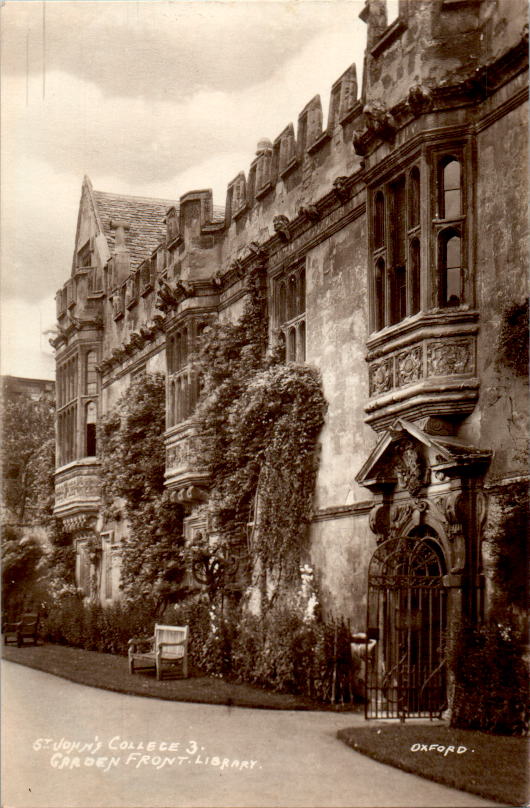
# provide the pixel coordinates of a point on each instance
(144, 216)
(449, 451)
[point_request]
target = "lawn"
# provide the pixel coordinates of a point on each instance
(492, 766)
(110, 672)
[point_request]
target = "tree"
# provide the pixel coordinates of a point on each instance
(26, 426)
(23, 570)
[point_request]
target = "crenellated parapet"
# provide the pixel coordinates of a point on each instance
(293, 155)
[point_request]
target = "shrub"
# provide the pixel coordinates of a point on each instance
(491, 678)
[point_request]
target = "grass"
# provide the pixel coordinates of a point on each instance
(494, 767)
(110, 672)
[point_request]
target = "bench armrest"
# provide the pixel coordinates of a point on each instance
(12, 626)
(141, 639)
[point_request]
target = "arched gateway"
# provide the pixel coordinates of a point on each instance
(407, 615)
(425, 574)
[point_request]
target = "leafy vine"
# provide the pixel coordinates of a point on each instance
(258, 423)
(132, 455)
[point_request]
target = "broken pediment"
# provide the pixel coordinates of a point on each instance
(408, 458)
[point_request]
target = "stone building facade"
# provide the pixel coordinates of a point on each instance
(392, 242)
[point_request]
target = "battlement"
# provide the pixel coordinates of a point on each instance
(276, 160)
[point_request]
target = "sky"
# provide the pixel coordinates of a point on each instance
(151, 98)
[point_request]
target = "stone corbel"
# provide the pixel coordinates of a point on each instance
(257, 250)
(281, 227)
(361, 141)
(341, 188)
(379, 520)
(166, 297)
(453, 511)
(380, 122)
(147, 334)
(309, 212)
(158, 322)
(137, 340)
(419, 99)
(185, 288)
(238, 267)
(217, 280)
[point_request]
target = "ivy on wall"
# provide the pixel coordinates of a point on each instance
(513, 338)
(258, 424)
(132, 455)
(507, 535)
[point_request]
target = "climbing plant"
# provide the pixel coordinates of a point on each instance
(132, 455)
(258, 421)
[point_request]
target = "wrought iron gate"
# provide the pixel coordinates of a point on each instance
(407, 617)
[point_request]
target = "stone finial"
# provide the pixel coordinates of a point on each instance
(264, 146)
(121, 227)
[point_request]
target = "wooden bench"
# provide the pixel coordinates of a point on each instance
(168, 645)
(25, 628)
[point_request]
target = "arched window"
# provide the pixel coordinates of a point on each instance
(415, 276)
(282, 303)
(414, 197)
(380, 295)
(301, 342)
(450, 188)
(90, 429)
(379, 220)
(291, 345)
(171, 408)
(178, 350)
(450, 268)
(91, 383)
(184, 346)
(301, 291)
(291, 304)
(291, 297)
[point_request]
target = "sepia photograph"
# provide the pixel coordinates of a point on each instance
(264, 403)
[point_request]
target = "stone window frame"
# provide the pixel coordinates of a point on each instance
(67, 386)
(183, 384)
(426, 234)
(289, 308)
(396, 277)
(445, 227)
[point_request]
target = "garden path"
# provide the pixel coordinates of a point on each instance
(200, 755)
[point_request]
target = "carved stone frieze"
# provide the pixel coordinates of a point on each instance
(80, 522)
(381, 376)
(409, 366)
(448, 357)
(180, 454)
(79, 487)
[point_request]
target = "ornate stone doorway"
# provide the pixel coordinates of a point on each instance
(407, 616)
